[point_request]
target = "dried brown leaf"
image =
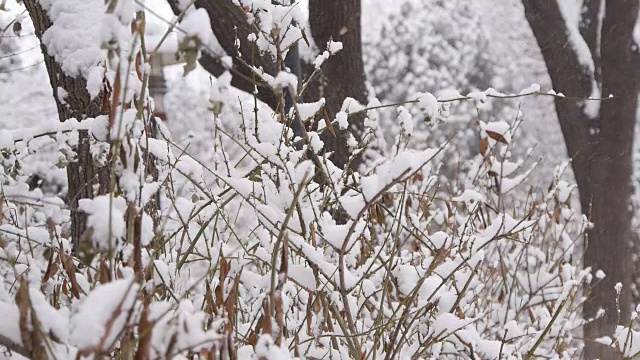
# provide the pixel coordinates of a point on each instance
(24, 306)
(497, 136)
(224, 270)
(484, 146)
(17, 28)
(115, 99)
(52, 269)
(210, 302)
(70, 269)
(104, 276)
(265, 320)
(327, 121)
(138, 66)
(230, 303)
(304, 37)
(145, 328)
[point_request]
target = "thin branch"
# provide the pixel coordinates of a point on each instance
(12, 346)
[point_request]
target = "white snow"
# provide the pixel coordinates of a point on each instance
(106, 219)
(80, 31)
(571, 13)
(469, 196)
(533, 89)
(342, 118)
(285, 80)
(449, 94)
(308, 110)
(103, 314)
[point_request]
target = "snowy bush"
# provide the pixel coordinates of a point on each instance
(264, 249)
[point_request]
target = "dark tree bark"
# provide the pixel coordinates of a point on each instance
(85, 180)
(601, 146)
(224, 17)
(292, 61)
(343, 75)
(590, 31)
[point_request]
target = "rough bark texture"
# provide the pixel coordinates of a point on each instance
(85, 180)
(343, 74)
(601, 147)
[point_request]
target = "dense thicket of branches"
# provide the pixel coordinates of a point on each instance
(256, 245)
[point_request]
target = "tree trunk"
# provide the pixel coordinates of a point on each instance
(600, 144)
(85, 180)
(610, 241)
(343, 73)
(608, 244)
(228, 21)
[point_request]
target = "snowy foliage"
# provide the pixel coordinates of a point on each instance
(434, 46)
(429, 45)
(254, 245)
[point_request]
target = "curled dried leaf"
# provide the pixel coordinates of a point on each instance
(17, 28)
(328, 122)
(484, 146)
(497, 136)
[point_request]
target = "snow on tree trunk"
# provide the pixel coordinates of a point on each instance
(73, 101)
(344, 76)
(599, 140)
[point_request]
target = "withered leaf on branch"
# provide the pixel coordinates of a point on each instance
(17, 28)
(327, 120)
(497, 136)
(484, 146)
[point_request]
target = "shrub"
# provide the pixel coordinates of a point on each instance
(267, 249)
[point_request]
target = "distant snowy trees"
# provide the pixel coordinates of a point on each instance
(435, 45)
(429, 45)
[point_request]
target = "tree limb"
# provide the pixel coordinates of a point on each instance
(617, 47)
(224, 16)
(610, 175)
(590, 31)
(601, 144)
(77, 102)
(343, 74)
(569, 76)
(12, 346)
